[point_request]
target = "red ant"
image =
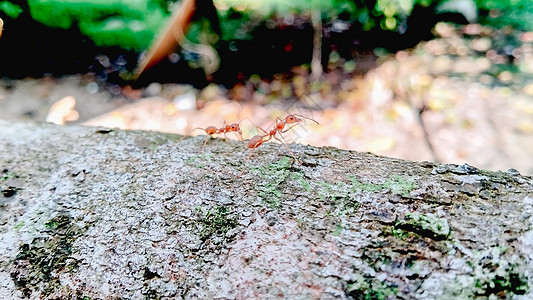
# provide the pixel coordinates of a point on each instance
(280, 125)
(211, 130)
(235, 127)
(280, 128)
(258, 140)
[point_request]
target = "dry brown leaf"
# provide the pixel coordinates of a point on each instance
(63, 111)
(170, 36)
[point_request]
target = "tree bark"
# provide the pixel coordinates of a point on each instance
(92, 213)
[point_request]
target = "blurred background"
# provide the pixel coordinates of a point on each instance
(440, 80)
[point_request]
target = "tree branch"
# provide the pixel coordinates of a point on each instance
(95, 213)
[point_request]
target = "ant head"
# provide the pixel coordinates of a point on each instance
(297, 119)
(291, 119)
(235, 127)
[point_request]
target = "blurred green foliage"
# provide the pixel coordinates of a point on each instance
(10, 9)
(515, 13)
(387, 14)
(392, 15)
(132, 24)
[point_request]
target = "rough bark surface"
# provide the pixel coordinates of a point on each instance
(92, 213)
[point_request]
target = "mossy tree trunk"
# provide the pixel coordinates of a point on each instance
(99, 214)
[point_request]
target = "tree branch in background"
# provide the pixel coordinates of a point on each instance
(170, 37)
(316, 62)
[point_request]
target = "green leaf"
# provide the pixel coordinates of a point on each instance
(11, 10)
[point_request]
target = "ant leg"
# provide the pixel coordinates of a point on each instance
(291, 127)
(189, 133)
(257, 127)
(246, 162)
(266, 134)
(253, 124)
(205, 143)
(284, 142)
(240, 132)
(248, 121)
(224, 130)
(239, 135)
